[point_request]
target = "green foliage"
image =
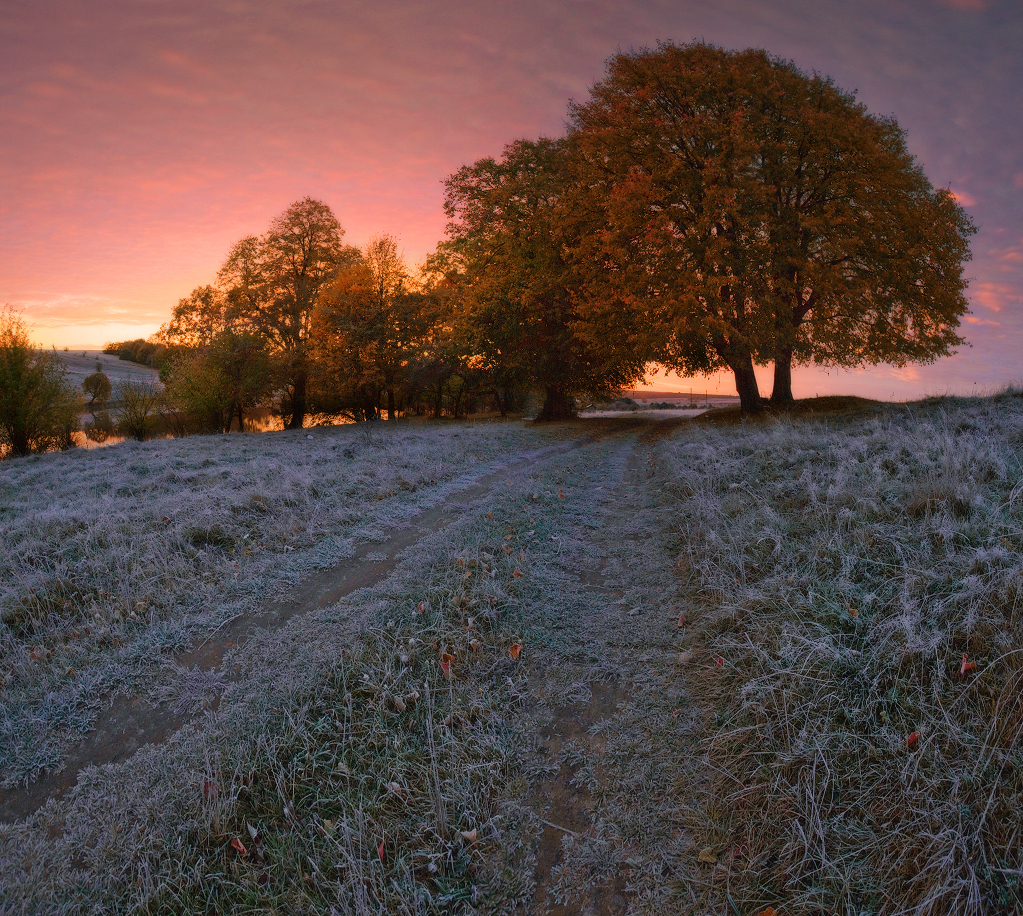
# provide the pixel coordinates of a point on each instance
(215, 383)
(98, 387)
(38, 407)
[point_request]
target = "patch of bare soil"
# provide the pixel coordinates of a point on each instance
(567, 803)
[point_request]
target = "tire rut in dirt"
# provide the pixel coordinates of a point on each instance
(132, 722)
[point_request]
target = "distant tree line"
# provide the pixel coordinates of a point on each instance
(705, 209)
(141, 351)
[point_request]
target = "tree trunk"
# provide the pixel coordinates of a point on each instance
(746, 384)
(241, 417)
(20, 440)
(458, 400)
(502, 404)
(390, 405)
(298, 400)
(782, 391)
(438, 404)
(556, 406)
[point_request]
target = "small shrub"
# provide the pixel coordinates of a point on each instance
(98, 387)
(38, 408)
(139, 401)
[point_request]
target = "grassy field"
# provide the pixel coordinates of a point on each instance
(82, 363)
(691, 666)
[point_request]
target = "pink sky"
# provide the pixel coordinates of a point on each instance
(140, 139)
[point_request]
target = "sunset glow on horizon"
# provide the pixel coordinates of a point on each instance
(140, 141)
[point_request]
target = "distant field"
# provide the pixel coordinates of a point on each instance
(615, 665)
(82, 363)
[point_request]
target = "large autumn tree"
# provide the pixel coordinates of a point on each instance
(758, 214)
(513, 232)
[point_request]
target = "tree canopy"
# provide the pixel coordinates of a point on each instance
(513, 233)
(706, 209)
(266, 291)
(763, 215)
(371, 330)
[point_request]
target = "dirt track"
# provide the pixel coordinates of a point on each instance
(132, 722)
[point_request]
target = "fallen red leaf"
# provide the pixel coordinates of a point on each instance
(240, 847)
(515, 651)
(209, 790)
(445, 664)
(912, 739)
(967, 666)
(719, 661)
(380, 850)
(517, 574)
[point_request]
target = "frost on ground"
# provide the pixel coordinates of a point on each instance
(836, 723)
(679, 669)
(111, 560)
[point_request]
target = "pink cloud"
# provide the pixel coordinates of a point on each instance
(1010, 258)
(995, 296)
(964, 199)
(973, 319)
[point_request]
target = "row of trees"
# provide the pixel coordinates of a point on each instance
(299, 319)
(705, 209)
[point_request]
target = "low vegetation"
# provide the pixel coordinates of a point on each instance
(684, 667)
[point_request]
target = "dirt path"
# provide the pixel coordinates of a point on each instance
(624, 577)
(131, 722)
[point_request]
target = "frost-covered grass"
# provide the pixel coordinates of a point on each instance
(353, 772)
(834, 724)
(778, 611)
(112, 560)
